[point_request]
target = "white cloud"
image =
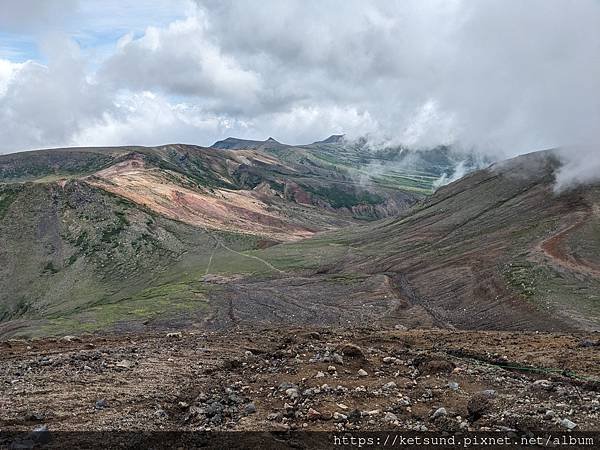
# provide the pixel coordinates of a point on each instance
(34, 15)
(499, 75)
(181, 60)
(43, 105)
(150, 119)
(8, 71)
(580, 165)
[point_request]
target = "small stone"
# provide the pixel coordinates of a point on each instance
(319, 375)
(586, 343)
(390, 385)
(353, 351)
(389, 360)
(35, 417)
(248, 354)
(250, 408)
(362, 373)
(373, 412)
(292, 393)
(543, 384)
(489, 393)
(569, 425)
(337, 358)
(274, 416)
(339, 417)
(331, 369)
(439, 413)
(342, 406)
(390, 417)
(313, 414)
(453, 385)
(101, 404)
(435, 366)
(175, 335)
(124, 364)
(214, 408)
(400, 327)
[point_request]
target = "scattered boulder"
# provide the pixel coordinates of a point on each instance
(586, 343)
(313, 414)
(354, 416)
(101, 404)
(124, 364)
(390, 385)
(337, 358)
(390, 417)
(339, 417)
(568, 424)
(362, 373)
(250, 408)
(439, 413)
(489, 393)
(352, 351)
(544, 385)
(175, 335)
(34, 416)
(434, 366)
(292, 393)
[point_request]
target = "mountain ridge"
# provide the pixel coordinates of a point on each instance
(179, 235)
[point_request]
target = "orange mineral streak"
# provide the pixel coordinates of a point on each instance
(170, 194)
(556, 248)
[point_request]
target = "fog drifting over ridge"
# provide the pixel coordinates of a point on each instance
(502, 77)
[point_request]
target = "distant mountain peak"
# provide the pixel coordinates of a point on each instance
(232, 143)
(333, 139)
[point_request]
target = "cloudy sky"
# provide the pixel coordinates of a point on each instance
(507, 76)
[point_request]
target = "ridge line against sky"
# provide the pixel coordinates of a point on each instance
(503, 76)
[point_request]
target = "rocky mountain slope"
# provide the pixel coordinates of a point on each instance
(251, 233)
(498, 249)
(128, 232)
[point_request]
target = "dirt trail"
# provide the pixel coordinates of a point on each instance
(556, 249)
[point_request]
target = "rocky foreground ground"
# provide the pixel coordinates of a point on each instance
(318, 379)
